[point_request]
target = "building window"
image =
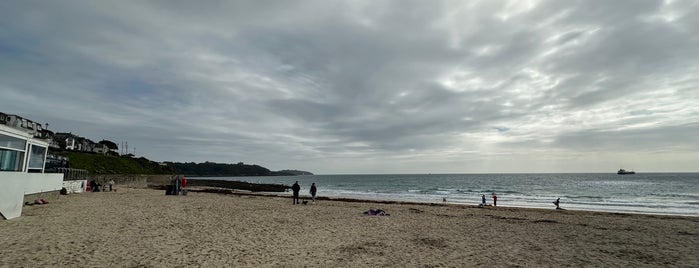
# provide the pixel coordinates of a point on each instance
(36, 157)
(11, 160)
(8, 142)
(11, 153)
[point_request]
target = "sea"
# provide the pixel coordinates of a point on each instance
(648, 193)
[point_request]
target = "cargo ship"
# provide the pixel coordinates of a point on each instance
(625, 172)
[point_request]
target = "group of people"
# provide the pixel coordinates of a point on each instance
(93, 186)
(177, 186)
(495, 200)
(296, 188)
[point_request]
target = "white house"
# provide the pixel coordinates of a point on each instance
(100, 148)
(71, 144)
(23, 148)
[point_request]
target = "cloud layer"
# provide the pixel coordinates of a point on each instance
(366, 87)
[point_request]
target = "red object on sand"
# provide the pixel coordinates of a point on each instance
(184, 182)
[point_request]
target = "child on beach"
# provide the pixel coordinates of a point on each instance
(495, 200)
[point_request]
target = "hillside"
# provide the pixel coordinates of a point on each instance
(105, 164)
(218, 169)
(294, 172)
(211, 169)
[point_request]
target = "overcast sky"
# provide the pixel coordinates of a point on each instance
(365, 86)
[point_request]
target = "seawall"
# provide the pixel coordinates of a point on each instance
(132, 180)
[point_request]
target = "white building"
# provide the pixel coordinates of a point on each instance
(22, 157)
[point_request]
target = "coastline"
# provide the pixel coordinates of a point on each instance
(661, 193)
(143, 227)
(228, 191)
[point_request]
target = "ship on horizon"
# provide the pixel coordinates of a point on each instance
(625, 172)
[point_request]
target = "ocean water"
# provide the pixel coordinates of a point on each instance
(653, 193)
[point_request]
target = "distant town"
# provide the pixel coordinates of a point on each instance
(60, 140)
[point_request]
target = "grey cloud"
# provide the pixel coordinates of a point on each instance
(283, 83)
(680, 138)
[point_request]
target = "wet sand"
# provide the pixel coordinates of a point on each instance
(144, 228)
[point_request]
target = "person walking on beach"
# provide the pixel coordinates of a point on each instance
(557, 203)
(296, 188)
(111, 184)
(495, 200)
(483, 200)
(313, 192)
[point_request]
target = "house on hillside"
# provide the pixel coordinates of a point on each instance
(100, 148)
(70, 141)
(111, 147)
(55, 144)
(85, 145)
(33, 128)
(67, 141)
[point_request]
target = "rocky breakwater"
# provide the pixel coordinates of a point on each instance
(238, 185)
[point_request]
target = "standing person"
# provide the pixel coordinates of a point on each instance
(296, 188)
(111, 184)
(495, 200)
(557, 203)
(95, 187)
(483, 200)
(313, 192)
(171, 188)
(178, 185)
(184, 185)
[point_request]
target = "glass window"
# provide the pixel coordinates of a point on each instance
(36, 157)
(11, 160)
(8, 142)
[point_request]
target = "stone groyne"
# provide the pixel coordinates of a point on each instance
(239, 185)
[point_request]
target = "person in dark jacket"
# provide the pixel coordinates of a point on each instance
(296, 188)
(313, 192)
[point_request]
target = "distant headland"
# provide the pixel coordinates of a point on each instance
(95, 163)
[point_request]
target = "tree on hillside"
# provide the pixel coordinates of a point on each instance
(111, 145)
(216, 169)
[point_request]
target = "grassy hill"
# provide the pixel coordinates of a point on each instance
(105, 164)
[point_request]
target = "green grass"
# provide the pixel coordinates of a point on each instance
(105, 164)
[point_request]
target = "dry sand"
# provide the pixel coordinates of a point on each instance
(145, 228)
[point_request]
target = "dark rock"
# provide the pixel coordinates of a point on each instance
(239, 185)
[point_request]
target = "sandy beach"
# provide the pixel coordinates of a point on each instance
(137, 227)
